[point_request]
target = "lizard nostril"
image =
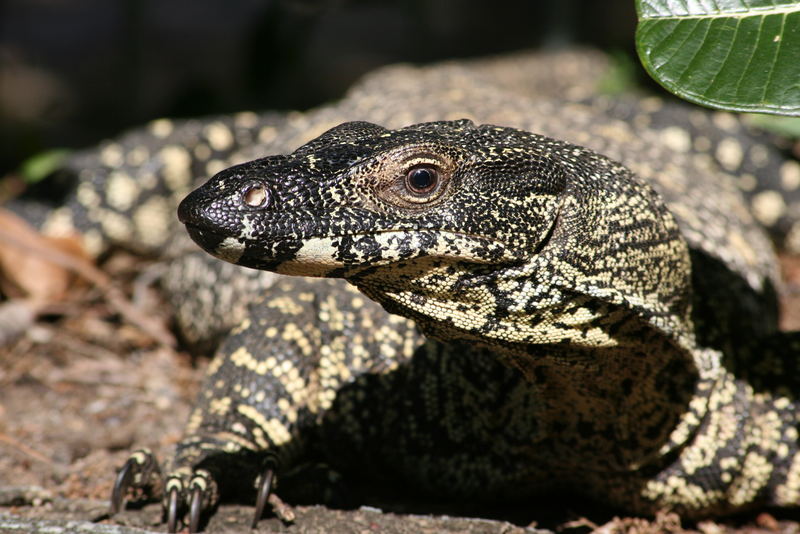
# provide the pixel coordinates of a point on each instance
(256, 196)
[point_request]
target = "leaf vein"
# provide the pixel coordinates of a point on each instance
(678, 48)
(724, 61)
(774, 62)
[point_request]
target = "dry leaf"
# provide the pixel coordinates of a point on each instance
(26, 271)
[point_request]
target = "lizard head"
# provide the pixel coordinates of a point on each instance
(361, 197)
(474, 231)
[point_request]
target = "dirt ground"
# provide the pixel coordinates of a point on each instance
(81, 387)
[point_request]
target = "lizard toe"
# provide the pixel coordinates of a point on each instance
(192, 492)
(139, 476)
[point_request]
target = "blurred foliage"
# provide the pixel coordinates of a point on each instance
(788, 127)
(41, 165)
(621, 76)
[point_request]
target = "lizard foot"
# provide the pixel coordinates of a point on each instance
(189, 493)
(183, 490)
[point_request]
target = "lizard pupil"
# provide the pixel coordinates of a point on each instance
(421, 179)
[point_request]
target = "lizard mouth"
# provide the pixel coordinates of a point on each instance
(323, 255)
(207, 239)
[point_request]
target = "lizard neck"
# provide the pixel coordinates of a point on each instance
(609, 372)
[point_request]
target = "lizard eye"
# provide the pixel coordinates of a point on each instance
(414, 179)
(422, 180)
(255, 196)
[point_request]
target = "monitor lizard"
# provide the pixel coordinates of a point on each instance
(558, 319)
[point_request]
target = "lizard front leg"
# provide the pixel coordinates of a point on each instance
(266, 390)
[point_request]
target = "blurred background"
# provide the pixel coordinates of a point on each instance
(75, 71)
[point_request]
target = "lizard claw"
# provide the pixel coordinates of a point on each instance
(265, 482)
(121, 485)
(264, 489)
(198, 494)
(195, 507)
(140, 473)
(172, 510)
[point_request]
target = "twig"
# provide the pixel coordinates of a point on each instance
(98, 278)
(21, 447)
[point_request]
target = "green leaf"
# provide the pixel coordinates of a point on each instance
(740, 55)
(39, 166)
